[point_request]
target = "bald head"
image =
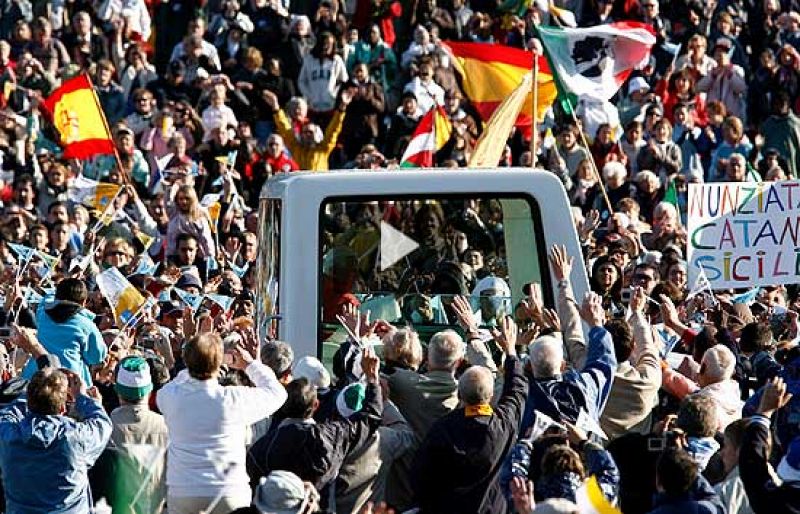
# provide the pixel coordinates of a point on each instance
(476, 385)
(547, 356)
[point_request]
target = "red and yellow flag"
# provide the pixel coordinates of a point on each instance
(490, 73)
(80, 122)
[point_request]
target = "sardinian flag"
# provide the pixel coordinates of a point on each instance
(595, 61)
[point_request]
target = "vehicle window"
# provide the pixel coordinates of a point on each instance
(404, 260)
(269, 257)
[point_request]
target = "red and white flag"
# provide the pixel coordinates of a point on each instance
(431, 134)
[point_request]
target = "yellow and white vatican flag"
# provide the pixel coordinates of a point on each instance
(125, 300)
(93, 194)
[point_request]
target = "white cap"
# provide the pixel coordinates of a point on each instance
(637, 84)
(312, 370)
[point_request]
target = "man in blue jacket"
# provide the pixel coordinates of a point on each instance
(67, 330)
(562, 394)
(44, 454)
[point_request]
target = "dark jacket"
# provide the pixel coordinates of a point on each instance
(765, 496)
(700, 499)
(401, 127)
(113, 102)
(361, 125)
(458, 465)
(98, 46)
(315, 451)
(785, 420)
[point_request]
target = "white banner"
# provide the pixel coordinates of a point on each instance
(744, 234)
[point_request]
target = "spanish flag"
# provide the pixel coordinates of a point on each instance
(76, 114)
(492, 142)
(490, 73)
(125, 300)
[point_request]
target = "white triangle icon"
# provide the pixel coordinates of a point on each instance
(394, 245)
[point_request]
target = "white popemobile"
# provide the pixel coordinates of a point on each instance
(326, 239)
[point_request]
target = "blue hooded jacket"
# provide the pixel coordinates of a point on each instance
(67, 330)
(45, 459)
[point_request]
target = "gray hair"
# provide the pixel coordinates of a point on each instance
(404, 347)
(445, 350)
(278, 356)
(720, 363)
(614, 168)
(546, 356)
(476, 386)
(294, 102)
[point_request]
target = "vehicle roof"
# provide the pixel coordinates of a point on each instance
(406, 179)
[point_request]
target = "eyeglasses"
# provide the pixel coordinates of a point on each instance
(143, 99)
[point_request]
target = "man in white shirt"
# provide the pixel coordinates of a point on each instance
(208, 422)
(429, 94)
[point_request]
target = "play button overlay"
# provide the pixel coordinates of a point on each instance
(394, 245)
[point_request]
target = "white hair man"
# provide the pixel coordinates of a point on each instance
(715, 380)
(561, 393)
(468, 444)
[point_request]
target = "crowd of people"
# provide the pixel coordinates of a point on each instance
(647, 395)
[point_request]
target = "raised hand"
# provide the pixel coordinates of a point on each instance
(534, 305)
(522, 495)
(270, 99)
(370, 364)
(506, 337)
(561, 262)
(551, 320)
(464, 315)
(774, 397)
(589, 225)
(638, 299)
(241, 357)
(592, 310)
(668, 311)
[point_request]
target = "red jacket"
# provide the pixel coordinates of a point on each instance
(280, 164)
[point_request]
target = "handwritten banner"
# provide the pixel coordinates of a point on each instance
(744, 234)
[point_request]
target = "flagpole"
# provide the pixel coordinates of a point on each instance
(108, 130)
(591, 157)
(535, 106)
